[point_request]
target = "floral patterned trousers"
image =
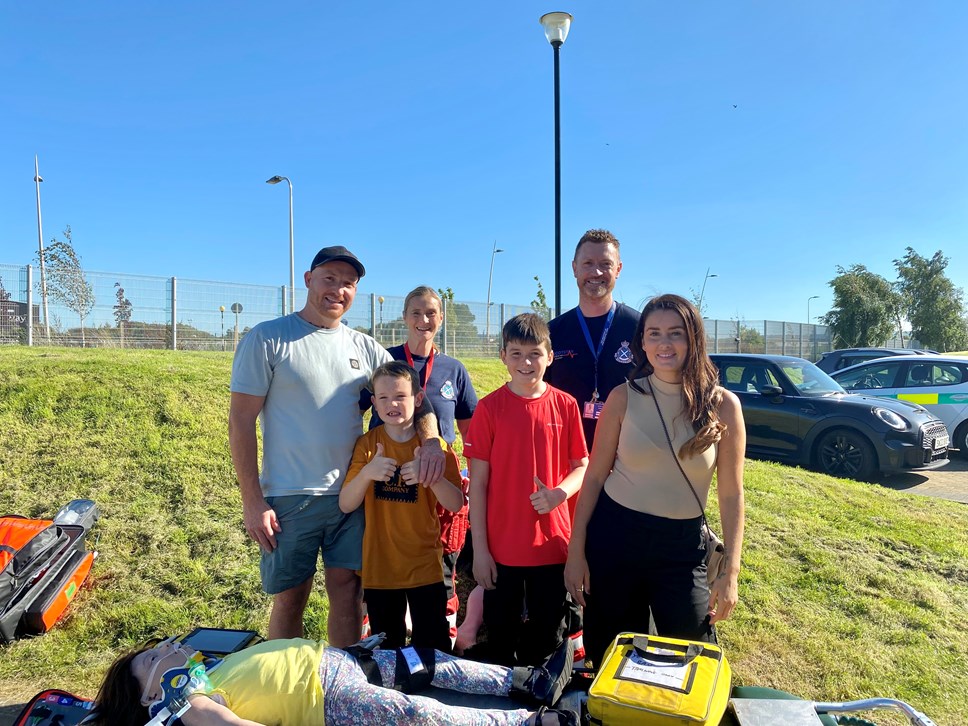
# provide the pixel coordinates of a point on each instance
(350, 699)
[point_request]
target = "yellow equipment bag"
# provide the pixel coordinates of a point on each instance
(656, 681)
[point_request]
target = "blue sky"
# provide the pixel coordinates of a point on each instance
(766, 141)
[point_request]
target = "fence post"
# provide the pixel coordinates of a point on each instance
(30, 306)
(174, 315)
(444, 313)
(782, 337)
(373, 314)
(284, 300)
(716, 335)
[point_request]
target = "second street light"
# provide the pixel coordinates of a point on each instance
(556, 27)
(40, 246)
(292, 257)
(490, 277)
(702, 293)
(812, 297)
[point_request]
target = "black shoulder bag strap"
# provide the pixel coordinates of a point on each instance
(675, 457)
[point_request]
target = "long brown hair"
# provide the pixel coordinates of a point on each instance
(700, 381)
(118, 701)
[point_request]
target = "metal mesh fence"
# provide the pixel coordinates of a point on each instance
(14, 311)
(138, 311)
(469, 330)
(767, 336)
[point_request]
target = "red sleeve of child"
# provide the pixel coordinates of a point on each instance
(480, 436)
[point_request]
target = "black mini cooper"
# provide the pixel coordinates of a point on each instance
(797, 414)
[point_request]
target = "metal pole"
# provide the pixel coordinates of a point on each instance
(446, 350)
(30, 306)
(556, 45)
(702, 293)
(373, 314)
(292, 257)
(490, 277)
(40, 247)
(174, 314)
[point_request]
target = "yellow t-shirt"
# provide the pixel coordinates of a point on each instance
(275, 682)
(401, 541)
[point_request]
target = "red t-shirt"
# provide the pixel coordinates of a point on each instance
(522, 438)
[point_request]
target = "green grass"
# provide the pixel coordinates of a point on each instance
(848, 590)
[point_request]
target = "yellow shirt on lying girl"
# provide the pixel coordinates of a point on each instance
(286, 669)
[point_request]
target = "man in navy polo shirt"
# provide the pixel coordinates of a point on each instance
(591, 342)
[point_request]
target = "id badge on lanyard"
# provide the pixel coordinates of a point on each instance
(593, 409)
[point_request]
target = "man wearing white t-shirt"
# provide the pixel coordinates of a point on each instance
(301, 376)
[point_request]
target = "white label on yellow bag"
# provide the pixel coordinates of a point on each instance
(645, 670)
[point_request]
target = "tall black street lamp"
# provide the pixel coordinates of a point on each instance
(556, 26)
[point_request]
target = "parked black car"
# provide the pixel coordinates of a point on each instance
(835, 360)
(795, 413)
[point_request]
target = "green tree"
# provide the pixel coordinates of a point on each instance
(459, 320)
(540, 302)
(863, 310)
(66, 282)
(4, 295)
(122, 309)
(932, 303)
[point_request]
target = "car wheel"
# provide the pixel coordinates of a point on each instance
(847, 454)
(960, 440)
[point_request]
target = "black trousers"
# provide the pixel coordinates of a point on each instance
(387, 610)
(640, 564)
(540, 591)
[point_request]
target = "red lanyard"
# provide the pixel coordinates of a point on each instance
(428, 368)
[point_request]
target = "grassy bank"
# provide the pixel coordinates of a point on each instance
(848, 589)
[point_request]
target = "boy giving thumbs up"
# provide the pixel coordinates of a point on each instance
(401, 542)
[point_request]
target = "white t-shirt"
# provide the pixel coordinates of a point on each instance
(311, 378)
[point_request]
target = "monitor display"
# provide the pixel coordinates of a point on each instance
(217, 641)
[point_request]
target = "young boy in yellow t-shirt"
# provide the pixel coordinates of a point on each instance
(401, 541)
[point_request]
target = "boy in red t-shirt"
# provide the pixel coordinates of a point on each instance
(401, 540)
(527, 457)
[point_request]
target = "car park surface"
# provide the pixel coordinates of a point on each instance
(939, 383)
(835, 360)
(795, 413)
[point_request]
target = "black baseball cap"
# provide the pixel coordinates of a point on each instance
(337, 253)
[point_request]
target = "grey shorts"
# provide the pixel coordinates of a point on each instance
(310, 525)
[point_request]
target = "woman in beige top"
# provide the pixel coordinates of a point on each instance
(637, 545)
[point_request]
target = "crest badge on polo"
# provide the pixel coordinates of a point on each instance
(447, 390)
(624, 353)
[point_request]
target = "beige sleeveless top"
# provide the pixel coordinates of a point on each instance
(645, 476)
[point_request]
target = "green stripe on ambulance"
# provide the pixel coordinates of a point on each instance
(932, 398)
